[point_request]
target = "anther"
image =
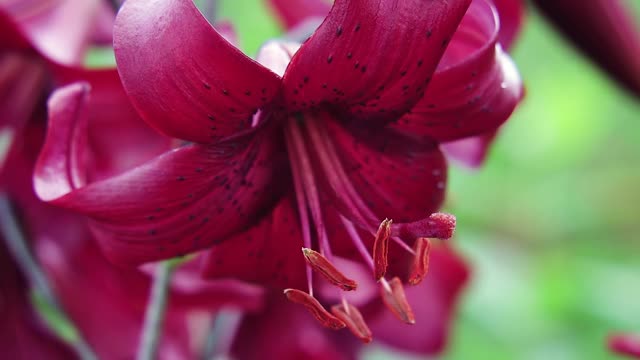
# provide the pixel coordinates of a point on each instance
(320, 264)
(381, 249)
(395, 299)
(420, 265)
(437, 225)
(354, 320)
(313, 306)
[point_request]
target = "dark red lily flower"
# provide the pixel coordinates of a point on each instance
(605, 31)
(625, 344)
(314, 156)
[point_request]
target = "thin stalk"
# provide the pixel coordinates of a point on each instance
(17, 245)
(224, 328)
(156, 307)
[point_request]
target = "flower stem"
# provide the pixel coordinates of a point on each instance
(224, 328)
(17, 246)
(156, 307)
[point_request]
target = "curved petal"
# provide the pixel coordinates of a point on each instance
(304, 338)
(179, 202)
(475, 89)
(471, 152)
(294, 12)
(605, 31)
(373, 58)
(396, 177)
(511, 14)
(268, 253)
(182, 76)
(433, 303)
(118, 138)
(59, 30)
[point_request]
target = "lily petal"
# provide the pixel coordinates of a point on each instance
(471, 152)
(182, 76)
(605, 31)
(373, 58)
(398, 177)
(304, 338)
(433, 303)
(476, 87)
(511, 14)
(294, 12)
(179, 202)
(59, 30)
(267, 253)
(118, 137)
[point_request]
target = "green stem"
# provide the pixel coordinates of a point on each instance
(156, 307)
(17, 245)
(224, 328)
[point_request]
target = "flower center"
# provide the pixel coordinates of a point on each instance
(312, 154)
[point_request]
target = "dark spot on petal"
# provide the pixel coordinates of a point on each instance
(248, 93)
(339, 31)
(206, 86)
(349, 55)
(329, 59)
(211, 117)
(357, 27)
(429, 32)
(180, 178)
(225, 92)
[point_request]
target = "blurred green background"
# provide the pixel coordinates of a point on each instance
(550, 225)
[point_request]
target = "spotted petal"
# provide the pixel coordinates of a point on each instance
(179, 202)
(373, 58)
(475, 88)
(182, 76)
(268, 253)
(394, 176)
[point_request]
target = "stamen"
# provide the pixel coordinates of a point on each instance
(313, 306)
(395, 299)
(437, 225)
(353, 319)
(320, 264)
(302, 208)
(357, 241)
(381, 249)
(420, 265)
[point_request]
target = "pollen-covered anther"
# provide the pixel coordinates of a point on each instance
(320, 264)
(381, 249)
(354, 320)
(420, 264)
(437, 225)
(395, 299)
(315, 308)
